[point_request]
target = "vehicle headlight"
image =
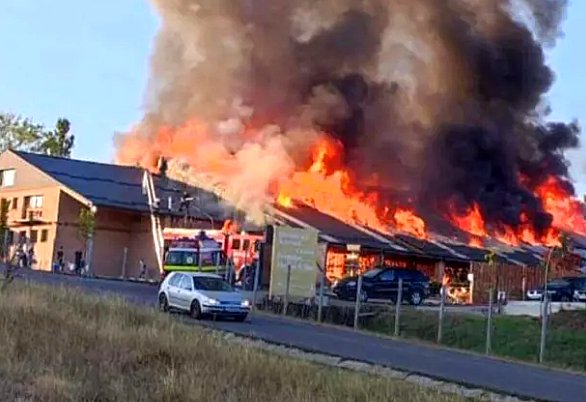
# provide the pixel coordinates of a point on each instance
(209, 300)
(352, 283)
(245, 303)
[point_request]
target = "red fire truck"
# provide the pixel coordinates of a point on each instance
(241, 248)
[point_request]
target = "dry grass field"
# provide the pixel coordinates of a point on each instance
(58, 344)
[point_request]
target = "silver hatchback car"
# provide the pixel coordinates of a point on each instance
(202, 294)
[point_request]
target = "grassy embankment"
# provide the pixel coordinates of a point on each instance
(513, 337)
(60, 345)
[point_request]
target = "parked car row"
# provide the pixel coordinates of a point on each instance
(564, 289)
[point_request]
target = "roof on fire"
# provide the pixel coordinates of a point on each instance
(116, 186)
(334, 231)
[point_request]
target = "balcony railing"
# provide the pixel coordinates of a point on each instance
(32, 214)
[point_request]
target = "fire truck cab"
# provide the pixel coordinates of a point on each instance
(200, 254)
(241, 248)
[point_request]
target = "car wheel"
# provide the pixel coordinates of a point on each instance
(163, 303)
(195, 310)
(416, 298)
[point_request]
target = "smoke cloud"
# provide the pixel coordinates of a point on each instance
(436, 102)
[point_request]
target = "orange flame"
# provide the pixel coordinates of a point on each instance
(473, 223)
(407, 221)
(229, 227)
(284, 201)
(567, 211)
(329, 189)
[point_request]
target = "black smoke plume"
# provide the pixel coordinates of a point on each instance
(435, 102)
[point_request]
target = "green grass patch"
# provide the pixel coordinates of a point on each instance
(513, 337)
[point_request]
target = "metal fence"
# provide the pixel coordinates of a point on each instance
(482, 329)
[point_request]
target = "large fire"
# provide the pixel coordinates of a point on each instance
(328, 187)
(567, 212)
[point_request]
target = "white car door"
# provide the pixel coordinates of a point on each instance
(185, 294)
(173, 289)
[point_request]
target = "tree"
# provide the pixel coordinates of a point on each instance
(22, 134)
(8, 269)
(491, 259)
(58, 142)
(19, 133)
(86, 223)
(4, 207)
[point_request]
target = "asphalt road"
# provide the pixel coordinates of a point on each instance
(478, 371)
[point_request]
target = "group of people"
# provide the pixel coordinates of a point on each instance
(25, 256)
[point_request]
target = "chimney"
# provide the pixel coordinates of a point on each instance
(162, 166)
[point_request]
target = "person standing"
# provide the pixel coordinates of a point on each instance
(142, 269)
(60, 256)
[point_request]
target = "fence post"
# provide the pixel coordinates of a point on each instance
(320, 305)
(5, 251)
(441, 314)
(357, 305)
(124, 262)
(217, 258)
(255, 284)
(489, 322)
(544, 316)
(398, 307)
(288, 283)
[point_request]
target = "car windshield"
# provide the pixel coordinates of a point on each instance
(211, 284)
(558, 283)
(189, 258)
(372, 273)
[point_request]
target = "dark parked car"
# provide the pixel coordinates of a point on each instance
(563, 289)
(383, 283)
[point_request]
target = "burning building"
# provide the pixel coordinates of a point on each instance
(398, 116)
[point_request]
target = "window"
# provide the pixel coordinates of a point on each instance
(34, 236)
(387, 276)
(212, 284)
(236, 244)
(181, 258)
(186, 283)
(558, 283)
(36, 201)
(372, 273)
(44, 235)
(7, 177)
(175, 280)
(22, 237)
(246, 245)
(14, 203)
(11, 237)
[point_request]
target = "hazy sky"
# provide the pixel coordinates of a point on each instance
(87, 61)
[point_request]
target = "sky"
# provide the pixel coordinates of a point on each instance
(88, 61)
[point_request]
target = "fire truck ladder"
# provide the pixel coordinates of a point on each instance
(149, 187)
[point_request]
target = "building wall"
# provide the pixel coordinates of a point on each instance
(56, 225)
(142, 247)
(38, 233)
(115, 232)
